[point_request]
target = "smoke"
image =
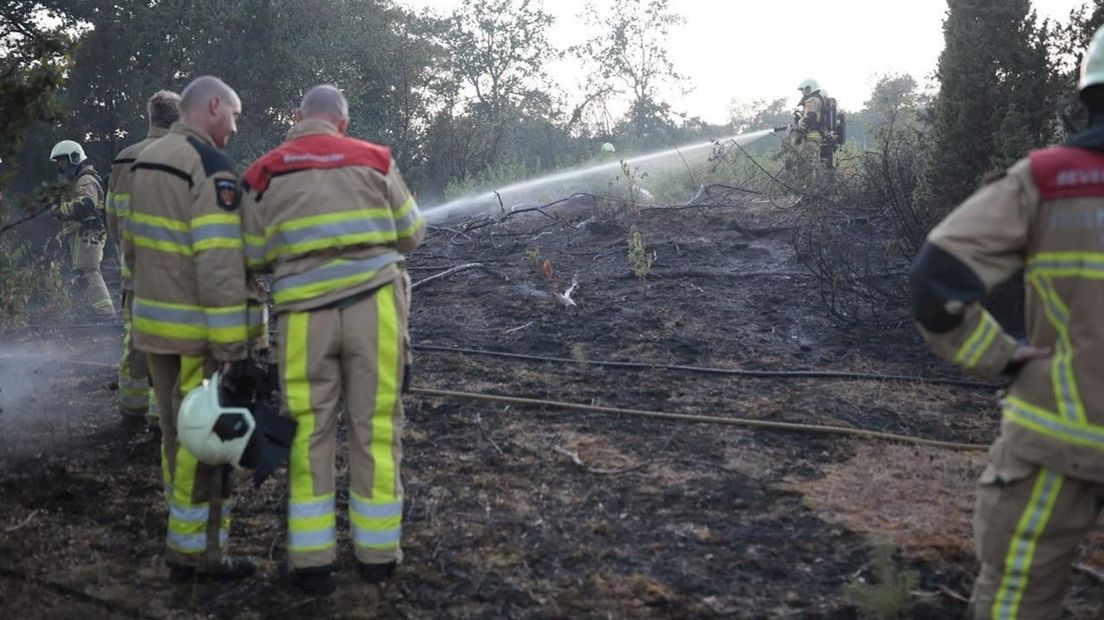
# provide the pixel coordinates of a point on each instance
(41, 398)
(596, 178)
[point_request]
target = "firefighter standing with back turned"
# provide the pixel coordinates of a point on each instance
(192, 307)
(83, 227)
(328, 215)
(1042, 490)
(136, 397)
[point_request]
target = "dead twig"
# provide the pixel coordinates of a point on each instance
(1091, 571)
(483, 433)
(565, 297)
(446, 272)
(518, 328)
(24, 522)
(955, 595)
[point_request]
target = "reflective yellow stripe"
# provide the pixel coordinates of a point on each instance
(387, 372)
(1068, 264)
(1021, 550)
(1062, 378)
(308, 532)
(158, 221)
(183, 479)
(1050, 424)
(979, 341)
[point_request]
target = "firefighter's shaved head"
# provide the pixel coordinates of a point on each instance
(325, 103)
(210, 104)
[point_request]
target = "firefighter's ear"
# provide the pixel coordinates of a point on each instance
(343, 126)
(297, 115)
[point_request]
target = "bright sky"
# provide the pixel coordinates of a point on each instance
(758, 49)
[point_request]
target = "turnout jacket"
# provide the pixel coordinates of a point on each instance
(191, 296)
(118, 199)
(1046, 216)
(329, 216)
(82, 213)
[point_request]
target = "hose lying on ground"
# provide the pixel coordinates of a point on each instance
(682, 417)
(738, 372)
(677, 417)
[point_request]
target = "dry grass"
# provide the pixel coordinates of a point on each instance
(921, 498)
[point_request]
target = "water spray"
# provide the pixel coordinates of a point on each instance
(587, 177)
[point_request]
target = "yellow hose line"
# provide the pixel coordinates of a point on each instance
(640, 413)
(682, 417)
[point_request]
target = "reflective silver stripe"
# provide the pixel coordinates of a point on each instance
(254, 253)
(233, 318)
(192, 514)
(316, 538)
(408, 220)
(195, 543)
(365, 537)
(335, 271)
(149, 231)
(311, 509)
(1072, 430)
(330, 230)
(207, 232)
(169, 315)
(375, 511)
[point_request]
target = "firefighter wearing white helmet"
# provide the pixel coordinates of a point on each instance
(607, 147)
(83, 225)
(1040, 494)
(809, 116)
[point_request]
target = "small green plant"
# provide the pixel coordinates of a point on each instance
(889, 595)
(533, 255)
(639, 258)
(31, 284)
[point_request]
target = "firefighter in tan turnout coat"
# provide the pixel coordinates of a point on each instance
(1042, 490)
(136, 397)
(192, 307)
(329, 216)
(83, 227)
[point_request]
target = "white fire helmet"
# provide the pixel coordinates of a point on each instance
(808, 87)
(217, 434)
(608, 148)
(70, 149)
(1092, 65)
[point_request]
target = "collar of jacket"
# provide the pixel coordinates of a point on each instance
(156, 132)
(310, 127)
(191, 130)
(1091, 138)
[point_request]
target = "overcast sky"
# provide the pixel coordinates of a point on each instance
(762, 49)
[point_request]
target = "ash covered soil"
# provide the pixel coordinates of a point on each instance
(526, 512)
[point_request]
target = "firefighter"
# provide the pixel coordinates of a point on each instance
(192, 308)
(807, 130)
(83, 225)
(136, 398)
(330, 216)
(1040, 494)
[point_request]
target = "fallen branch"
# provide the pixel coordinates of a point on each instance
(483, 433)
(22, 523)
(518, 328)
(446, 272)
(1091, 571)
(565, 297)
(955, 595)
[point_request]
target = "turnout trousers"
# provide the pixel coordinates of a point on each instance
(197, 494)
(1028, 523)
(136, 397)
(86, 249)
(356, 351)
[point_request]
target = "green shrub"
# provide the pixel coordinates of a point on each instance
(890, 595)
(31, 284)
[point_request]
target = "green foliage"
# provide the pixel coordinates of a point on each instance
(890, 594)
(991, 105)
(629, 53)
(32, 285)
(637, 252)
(33, 62)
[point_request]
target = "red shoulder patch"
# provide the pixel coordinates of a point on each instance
(316, 152)
(1067, 172)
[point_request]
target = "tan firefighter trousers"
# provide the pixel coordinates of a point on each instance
(197, 494)
(136, 397)
(357, 352)
(1028, 523)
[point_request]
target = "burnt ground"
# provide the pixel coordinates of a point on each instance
(524, 512)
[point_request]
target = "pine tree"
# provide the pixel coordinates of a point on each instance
(992, 104)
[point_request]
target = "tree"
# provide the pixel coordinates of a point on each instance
(33, 61)
(630, 52)
(991, 104)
